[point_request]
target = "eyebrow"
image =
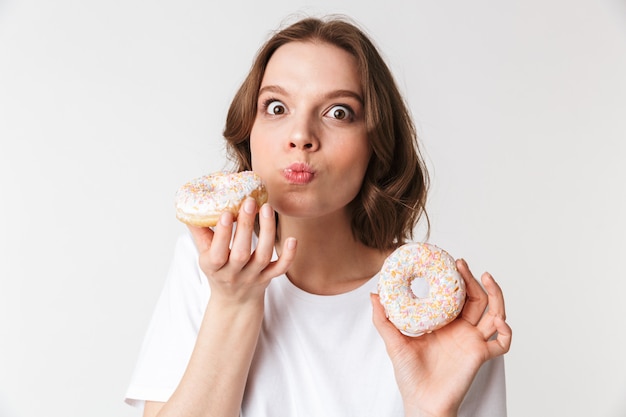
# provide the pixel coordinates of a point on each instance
(330, 95)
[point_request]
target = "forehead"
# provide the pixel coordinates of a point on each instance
(313, 64)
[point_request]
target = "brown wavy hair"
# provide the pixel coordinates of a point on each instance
(393, 195)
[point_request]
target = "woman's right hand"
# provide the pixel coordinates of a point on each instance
(215, 378)
(235, 272)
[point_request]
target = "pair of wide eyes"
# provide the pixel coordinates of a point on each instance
(277, 108)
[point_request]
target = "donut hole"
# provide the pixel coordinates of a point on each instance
(420, 287)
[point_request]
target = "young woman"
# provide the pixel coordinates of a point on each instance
(277, 316)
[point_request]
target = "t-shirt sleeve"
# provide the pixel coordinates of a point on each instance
(173, 329)
(487, 394)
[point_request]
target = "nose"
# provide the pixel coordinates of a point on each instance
(304, 135)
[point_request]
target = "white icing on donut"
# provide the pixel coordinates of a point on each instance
(415, 316)
(203, 199)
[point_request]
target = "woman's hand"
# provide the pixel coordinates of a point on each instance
(235, 271)
(434, 371)
(215, 378)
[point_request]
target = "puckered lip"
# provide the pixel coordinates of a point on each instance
(299, 173)
(300, 167)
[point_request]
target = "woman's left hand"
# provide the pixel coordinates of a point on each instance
(434, 371)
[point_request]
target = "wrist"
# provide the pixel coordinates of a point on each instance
(230, 308)
(414, 411)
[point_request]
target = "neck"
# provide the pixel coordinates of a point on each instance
(329, 259)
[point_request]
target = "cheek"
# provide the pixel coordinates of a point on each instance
(354, 169)
(262, 154)
(255, 158)
(357, 159)
(256, 148)
(364, 163)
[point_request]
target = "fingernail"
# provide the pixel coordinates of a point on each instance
(226, 219)
(267, 211)
(249, 206)
(291, 243)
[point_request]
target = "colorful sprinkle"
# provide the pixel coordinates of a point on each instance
(210, 195)
(412, 315)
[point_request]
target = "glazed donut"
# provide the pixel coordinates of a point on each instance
(411, 314)
(201, 201)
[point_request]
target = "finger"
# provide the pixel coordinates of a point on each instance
(502, 343)
(495, 309)
(476, 299)
(219, 251)
(202, 236)
(284, 261)
(267, 238)
(496, 297)
(389, 333)
(241, 249)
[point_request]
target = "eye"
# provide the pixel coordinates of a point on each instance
(275, 107)
(340, 112)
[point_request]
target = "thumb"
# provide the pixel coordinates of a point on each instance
(385, 328)
(202, 236)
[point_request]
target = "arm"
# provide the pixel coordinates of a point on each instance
(214, 381)
(435, 371)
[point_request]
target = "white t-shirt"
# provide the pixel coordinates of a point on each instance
(316, 355)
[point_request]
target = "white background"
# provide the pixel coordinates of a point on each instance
(107, 107)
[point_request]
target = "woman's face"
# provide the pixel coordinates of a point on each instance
(309, 140)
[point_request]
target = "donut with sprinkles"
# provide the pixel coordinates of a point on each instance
(201, 201)
(414, 315)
